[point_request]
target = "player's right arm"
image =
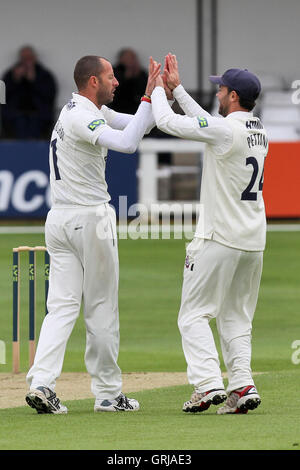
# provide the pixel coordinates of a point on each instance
(211, 130)
(188, 104)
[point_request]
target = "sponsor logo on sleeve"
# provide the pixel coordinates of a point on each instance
(94, 124)
(202, 121)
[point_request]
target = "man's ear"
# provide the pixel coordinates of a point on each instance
(234, 96)
(93, 81)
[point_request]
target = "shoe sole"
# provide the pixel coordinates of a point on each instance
(112, 410)
(216, 400)
(250, 404)
(39, 402)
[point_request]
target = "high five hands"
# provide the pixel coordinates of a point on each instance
(169, 78)
(153, 74)
(171, 74)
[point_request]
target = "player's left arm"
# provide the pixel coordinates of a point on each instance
(127, 140)
(115, 119)
(188, 104)
(120, 121)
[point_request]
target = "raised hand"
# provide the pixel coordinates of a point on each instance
(164, 77)
(153, 73)
(159, 81)
(171, 74)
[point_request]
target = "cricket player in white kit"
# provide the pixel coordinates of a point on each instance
(224, 260)
(81, 237)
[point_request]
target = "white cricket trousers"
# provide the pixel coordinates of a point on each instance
(223, 283)
(84, 266)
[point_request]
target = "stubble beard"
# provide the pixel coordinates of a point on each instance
(223, 111)
(103, 98)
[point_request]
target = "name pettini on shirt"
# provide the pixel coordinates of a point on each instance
(256, 138)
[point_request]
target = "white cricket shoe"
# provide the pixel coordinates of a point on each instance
(202, 401)
(44, 401)
(121, 403)
(240, 401)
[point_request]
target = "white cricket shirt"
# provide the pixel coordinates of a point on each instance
(77, 165)
(232, 209)
(79, 146)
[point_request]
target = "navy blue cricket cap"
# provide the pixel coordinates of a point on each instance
(245, 83)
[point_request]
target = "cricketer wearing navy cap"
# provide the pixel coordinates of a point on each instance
(223, 262)
(245, 83)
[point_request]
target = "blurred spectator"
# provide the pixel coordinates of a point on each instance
(30, 97)
(132, 80)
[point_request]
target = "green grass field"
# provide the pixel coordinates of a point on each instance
(150, 288)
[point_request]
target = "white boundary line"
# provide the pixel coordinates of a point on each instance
(12, 230)
(283, 228)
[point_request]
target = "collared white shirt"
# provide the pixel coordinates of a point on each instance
(232, 209)
(77, 165)
(79, 145)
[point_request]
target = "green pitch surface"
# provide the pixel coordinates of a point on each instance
(150, 287)
(161, 425)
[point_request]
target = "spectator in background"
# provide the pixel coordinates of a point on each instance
(30, 97)
(132, 80)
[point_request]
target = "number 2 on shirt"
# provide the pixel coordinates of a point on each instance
(247, 194)
(54, 158)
